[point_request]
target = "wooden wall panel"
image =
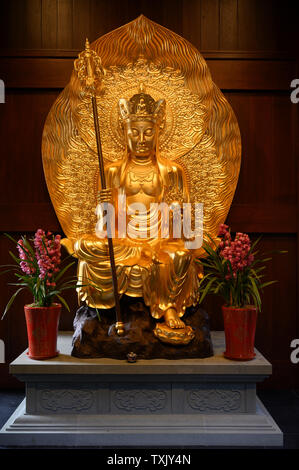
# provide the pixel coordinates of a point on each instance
(49, 24)
(34, 71)
(268, 151)
(65, 24)
(191, 22)
(277, 322)
(250, 50)
(209, 21)
(33, 25)
(13, 24)
(247, 25)
(228, 25)
(259, 24)
(209, 24)
(259, 115)
(23, 117)
(81, 22)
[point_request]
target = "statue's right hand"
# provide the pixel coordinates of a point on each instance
(104, 195)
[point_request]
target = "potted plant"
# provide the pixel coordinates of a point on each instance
(38, 268)
(233, 271)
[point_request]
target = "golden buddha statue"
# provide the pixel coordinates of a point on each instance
(153, 267)
(168, 136)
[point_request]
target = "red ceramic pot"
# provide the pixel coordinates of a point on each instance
(239, 328)
(42, 328)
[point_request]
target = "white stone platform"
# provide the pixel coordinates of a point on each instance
(108, 402)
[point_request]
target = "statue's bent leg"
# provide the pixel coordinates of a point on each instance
(171, 285)
(94, 269)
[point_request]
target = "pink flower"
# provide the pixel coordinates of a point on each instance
(48, 254)
(236, 251)
(26, 267)
(223, 232)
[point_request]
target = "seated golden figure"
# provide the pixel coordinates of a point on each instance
(169, 136)
(153, 267)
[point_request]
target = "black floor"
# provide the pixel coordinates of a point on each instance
(282, 405)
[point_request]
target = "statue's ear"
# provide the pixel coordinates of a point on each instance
(124, 109)
(159, 112)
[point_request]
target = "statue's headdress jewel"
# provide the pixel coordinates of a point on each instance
(142, 107)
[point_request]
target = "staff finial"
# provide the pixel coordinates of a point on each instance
(89, 67)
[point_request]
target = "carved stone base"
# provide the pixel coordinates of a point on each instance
(108, 402)
(213, 430)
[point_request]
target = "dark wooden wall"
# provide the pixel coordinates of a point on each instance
(250, 48)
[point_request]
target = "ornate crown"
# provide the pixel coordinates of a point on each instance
(142, 107)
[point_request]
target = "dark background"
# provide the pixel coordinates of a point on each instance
(250, 48)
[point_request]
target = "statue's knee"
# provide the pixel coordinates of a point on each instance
(183, 255)
(89, 245)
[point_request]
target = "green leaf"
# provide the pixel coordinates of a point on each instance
(9, 304)
(254, 244)
(271, 252)
(206, 290)
(17, 243)
(10, 237)
(28, 246)
(209, 250)
(68, 256)
(265, 284)
(212, 240)
(45, 246)
(14, 257)
(64, 302)
(230, 268)
(218, 288)
(264, 260)
(97, 311)
(9, 266)
(8, 270)
(21, 276)
(257, 270)
(17, 283)
(53, 292)
(68, 287)
(61, 273)
(255, 290)
(19, 260)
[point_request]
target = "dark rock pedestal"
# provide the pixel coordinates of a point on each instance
(94, 338)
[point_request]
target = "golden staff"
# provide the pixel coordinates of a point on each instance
(90, 71)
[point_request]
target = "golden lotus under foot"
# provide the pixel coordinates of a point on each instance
(174, 335)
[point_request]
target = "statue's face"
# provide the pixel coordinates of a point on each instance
(141, 138)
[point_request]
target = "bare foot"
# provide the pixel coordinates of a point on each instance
(172, 319)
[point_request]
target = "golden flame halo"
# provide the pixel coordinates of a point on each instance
(205, 139)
